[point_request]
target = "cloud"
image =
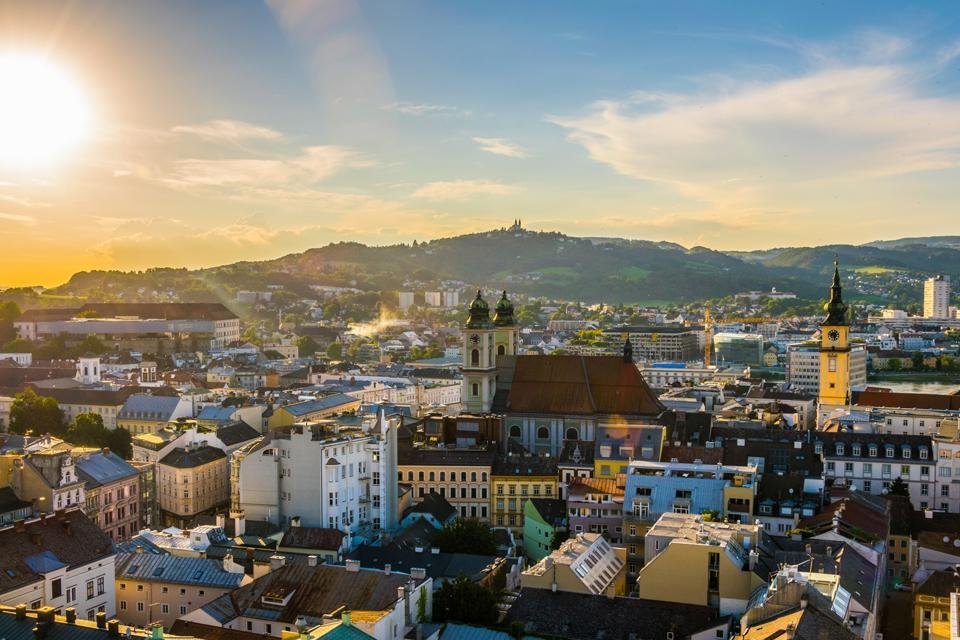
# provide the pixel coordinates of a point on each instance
(949, 53)
(751, 146)
(422, 109)
(457, 189)
(501, 147)
(309, 166)
(228, 131)
(16, 217)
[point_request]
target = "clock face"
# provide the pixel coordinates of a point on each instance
(475, 339)
(834, 335)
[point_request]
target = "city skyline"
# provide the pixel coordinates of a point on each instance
(734, 127)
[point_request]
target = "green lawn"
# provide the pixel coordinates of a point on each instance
(875, 270)
(634, 274)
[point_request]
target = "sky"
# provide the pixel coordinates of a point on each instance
(219, 131)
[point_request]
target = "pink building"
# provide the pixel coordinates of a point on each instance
(112, 493)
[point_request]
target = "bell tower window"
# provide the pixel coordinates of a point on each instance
(475, 357)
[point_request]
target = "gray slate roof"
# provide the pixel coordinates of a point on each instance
(143, 406)
(151, 567)
(100, 468)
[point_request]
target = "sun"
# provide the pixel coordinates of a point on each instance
(43, 113)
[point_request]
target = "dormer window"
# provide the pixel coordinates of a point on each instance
(856, 448)
(873, 450)
(924, 454)
(839, 448)
(818, 447)
(906, 451)
(889, 450)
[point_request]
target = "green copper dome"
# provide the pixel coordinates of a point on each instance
(479, 317)
(504, 313)
(836, 308)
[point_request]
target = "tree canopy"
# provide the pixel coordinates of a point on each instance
(39, 414)
(466, 535)
(88, 430)
(462, 600)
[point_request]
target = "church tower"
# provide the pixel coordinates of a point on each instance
(479, 359)
(507, 334)
(835, 348)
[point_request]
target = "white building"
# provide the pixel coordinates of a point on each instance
(432, 298)
(936, 297)
(22, 359)
(451, 299)
(803, 367)
(405, 300)
(328, 476)
(58, 561)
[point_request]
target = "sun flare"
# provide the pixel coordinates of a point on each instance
(43, 112)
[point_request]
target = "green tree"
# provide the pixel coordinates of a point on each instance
(90, 344)
(306, 346)
(917, 360)
(898, 488)
(462, 600)
(9, 311)
(466, 535)
(335, 350)
(18, 345)
(39, 414)
(894, 364)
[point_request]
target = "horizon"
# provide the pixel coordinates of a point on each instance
(737, 128)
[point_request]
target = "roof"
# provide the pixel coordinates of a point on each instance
(583, 385)
(189, 458)
(553, 511)
(580, 486)
(580, 616)
(70, 538)
(236, 432)
(149, 567)
(856, 515)
(142, 406)
(805, 624)
(454, 631)
(423, 456)
(165, 310)
(94, 397)
(437, 565)
(326, 403)
(434, 504)
(940, 584)
(103, 467)
(312, 538)
(59, 629)
(877, 398)
(316, 590)
(209, 632)
(219, 414)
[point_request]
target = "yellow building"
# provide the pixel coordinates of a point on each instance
(584, 564)
(516, 479)
(192, 481)
(462, 476)
(312, 410)
(835, 348)
(932, 606)
(692, 561)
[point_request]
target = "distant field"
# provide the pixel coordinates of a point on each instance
(559, 272)
(875, 270)
(634, 274)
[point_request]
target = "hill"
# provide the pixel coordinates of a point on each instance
(544, 264)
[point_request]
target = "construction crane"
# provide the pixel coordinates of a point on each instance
(708, 323)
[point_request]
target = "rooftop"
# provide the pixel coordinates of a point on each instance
(149, 567)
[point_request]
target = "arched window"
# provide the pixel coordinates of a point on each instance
(573, 434)
(515, 431)
(543, 433)
(501, 350)
(475, 357)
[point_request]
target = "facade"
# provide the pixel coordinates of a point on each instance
(311, 410)
(158, 587)
(693, 561)
(485, 341)
(544, 520)
(112, 493)
(58, 561)
(935, 607)
(739, 348)
(655, 343)
(106, 403)
(595, 505)
(323, 475)
(803, 367)
(190, 482)
(462, 476)
(835, 372)
(583, 564)
(183, 320)
(515, 479)
(47, 477)
(936, 297)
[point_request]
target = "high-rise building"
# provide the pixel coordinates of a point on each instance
(432, 298)
(405, 300)
(740, 348)
(936, 297)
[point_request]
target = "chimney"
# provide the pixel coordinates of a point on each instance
(113, 628)
(156, 631)
(311, 560)
(239, 524)
(35, 538)
(139, 548)
(804, 601)
(101, 619)
(295, 521)
(435, 550)
(417, 573)
(21, 612)
(221, 521)
(790, 631)
(276, 562)
(71, 615)
(260, 569)
(106, 451)
(345, 618)
(386, 569)
(353, 566)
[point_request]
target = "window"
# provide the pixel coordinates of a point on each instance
(924, 454)
(905, 470)
(573, 434)
(139, 606)
(889, 450)
(183, 609)
(867, 469)
(165, 608)
(924, 489)
(543, 433)
(475, 389)
(249, 626)
(944, 491)
(475, 357)
(515, 431)
(856, 448)
(873, 450)
(839, 448)
(89, 589)
(123, 605)
(56, 588)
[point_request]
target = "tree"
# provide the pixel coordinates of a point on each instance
(898, 488)
(466, 535)
(335, 350)
(306, 346)
(39, 414)
(9, 311)
(894, 364)
(18, 345)
(462, 600)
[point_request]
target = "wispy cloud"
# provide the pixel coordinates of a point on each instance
(228, 131)
(949, 53)
(501, 147)
(16, 217)
(751, 145)
(457, 189)
(425, 109)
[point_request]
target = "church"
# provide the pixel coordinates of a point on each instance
(550, 401)
(835, 350)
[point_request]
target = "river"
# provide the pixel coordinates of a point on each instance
(915, 386)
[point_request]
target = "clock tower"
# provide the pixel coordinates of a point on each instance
(835, 348)
(479, 359)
